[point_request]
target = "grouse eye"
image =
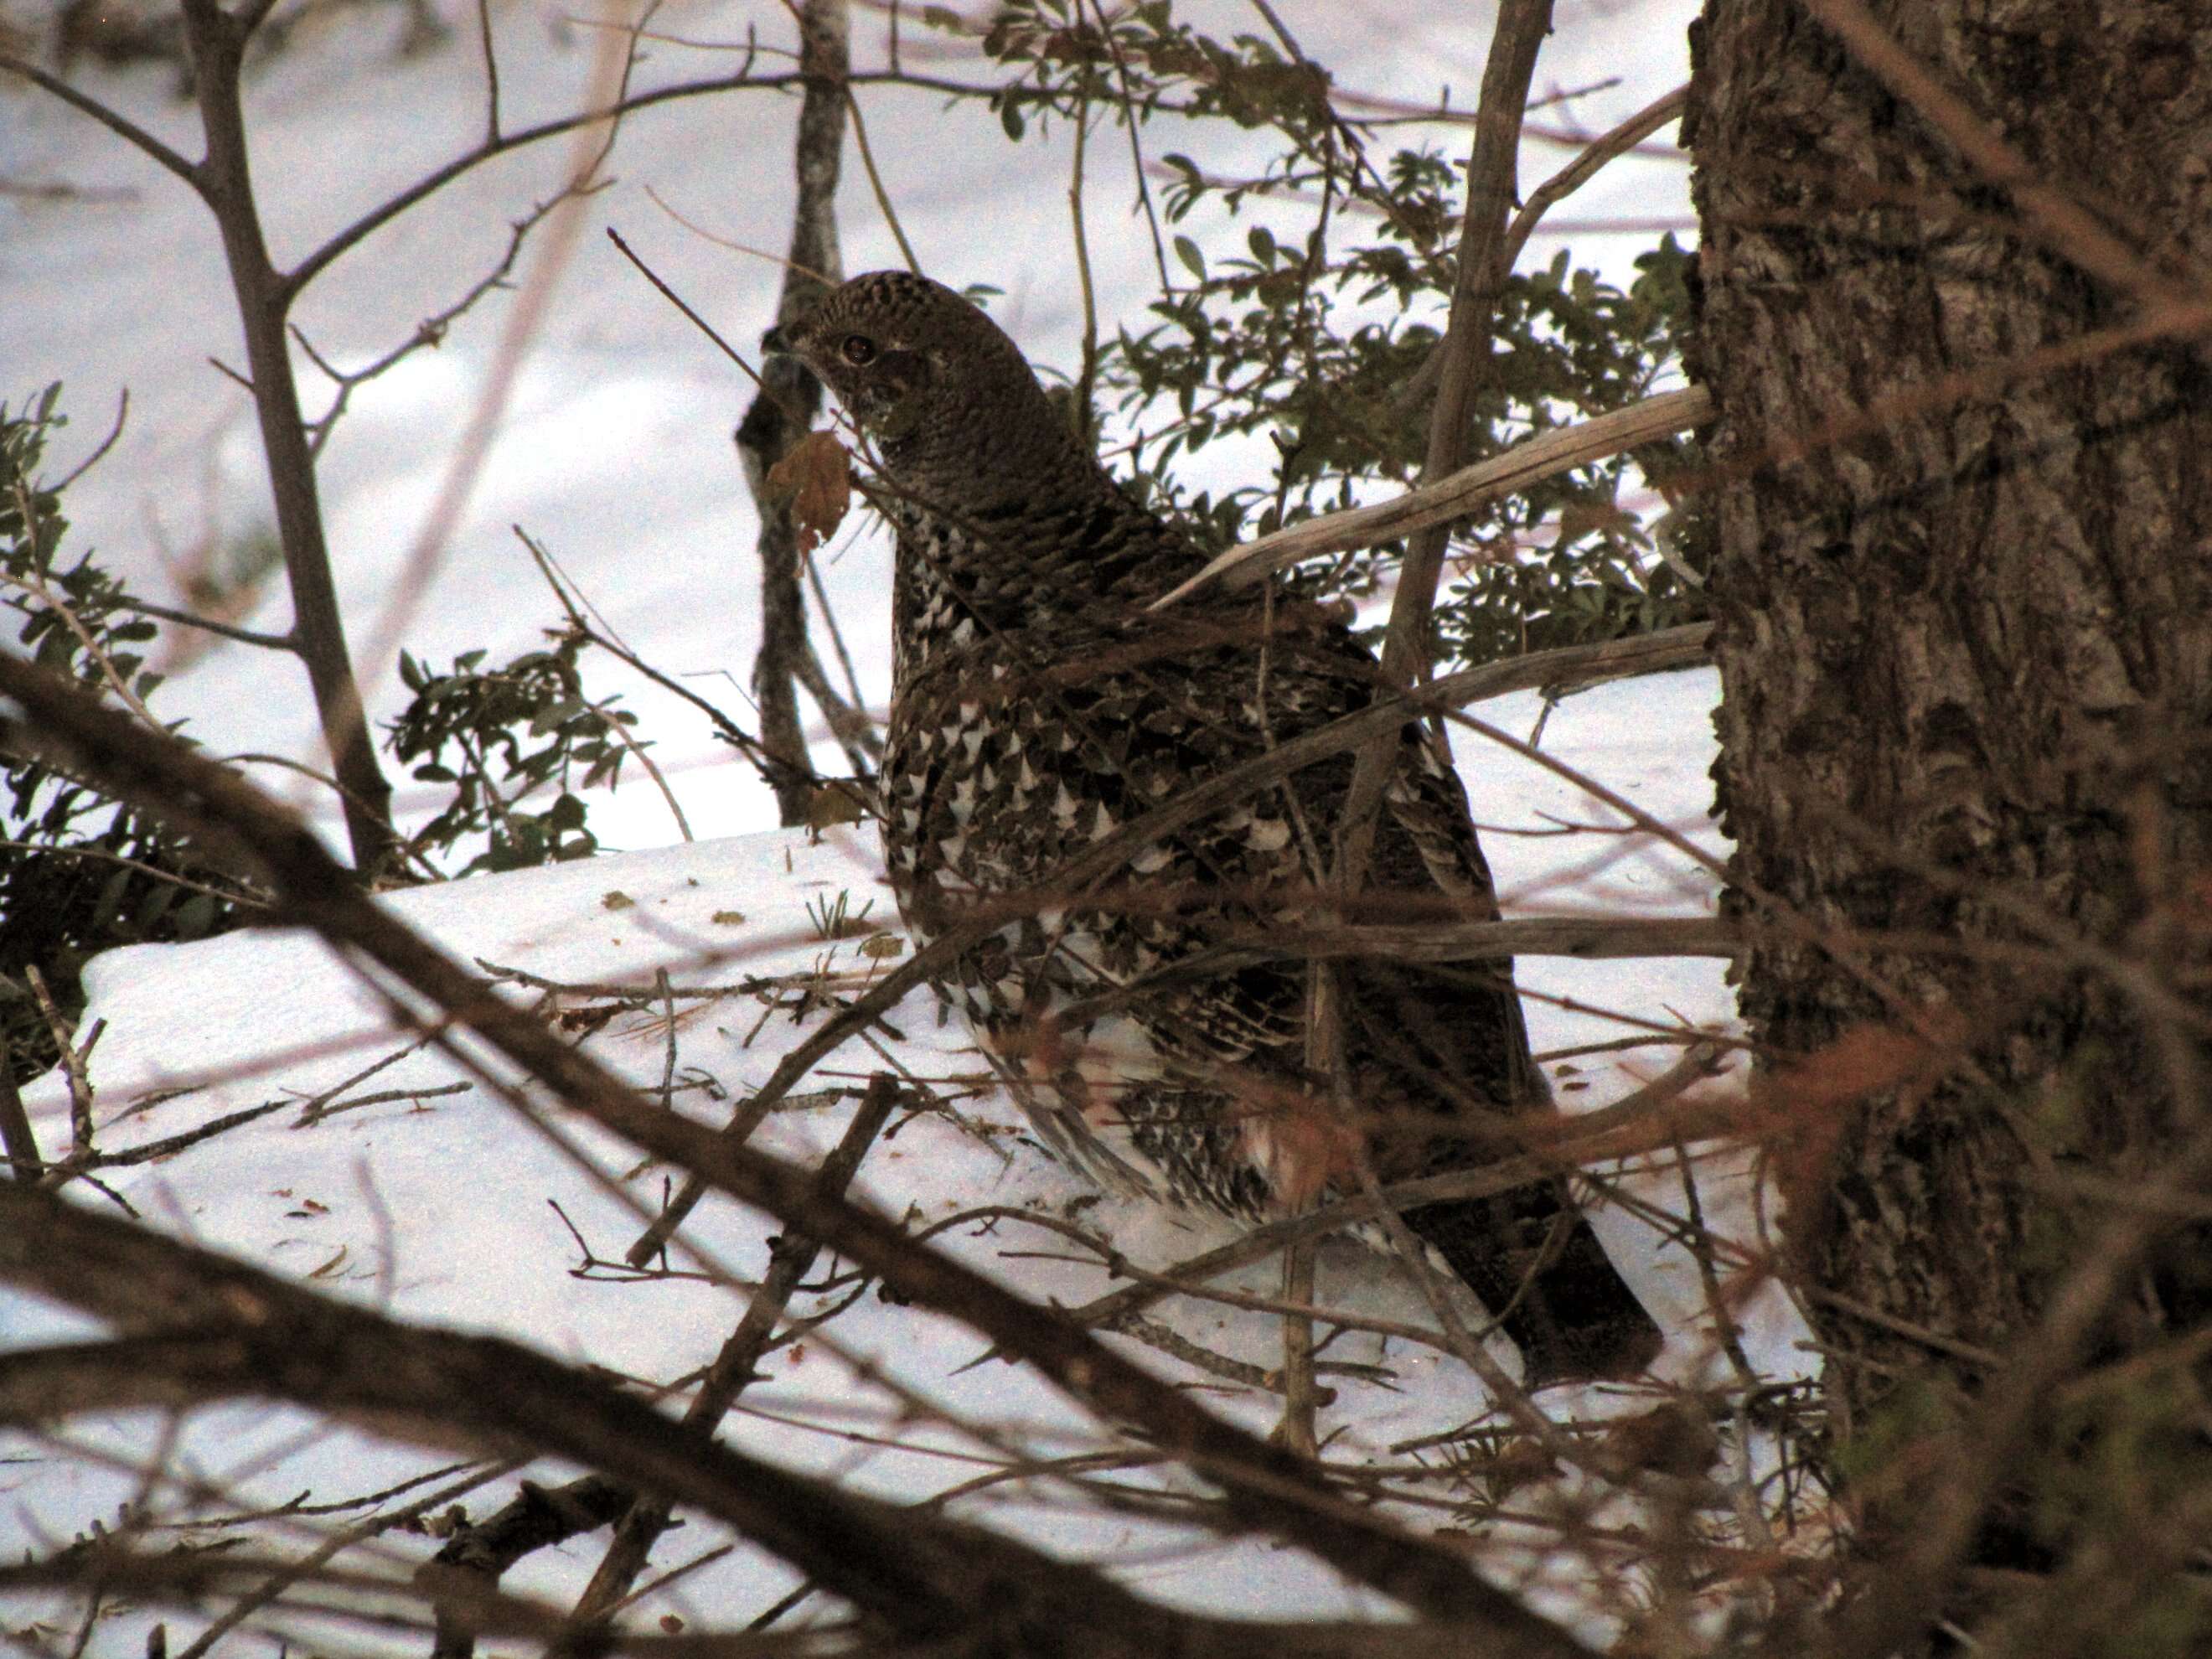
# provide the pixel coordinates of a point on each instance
(858, 351)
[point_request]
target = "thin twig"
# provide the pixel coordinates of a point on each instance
(114, 121)
(629, 740)
(17, 1138)
(228, 896)
(114, 432)
(430, 332)
(1087, 379)
(1454, 496)
(1603, 151)
(791, 1259)
(1301, 1397)
(781, 414)
(72, 1062)
(339, 1541)
(876, 180)
(34, 583)
(864, 731)
(1137, 167)
(491, 73)
(674, 299)
(610, 77)
(727, 728)
(185, 619)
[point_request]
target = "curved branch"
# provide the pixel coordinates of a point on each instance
(1457, 495)
(291, 281)
(234, 1330)
(1603, 151)
(114, 120)
(311, 266)
(209, 624)
(1265, 1488)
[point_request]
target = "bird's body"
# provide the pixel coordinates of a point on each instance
(1038, 709)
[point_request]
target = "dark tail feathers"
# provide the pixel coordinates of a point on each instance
(1531, 1255)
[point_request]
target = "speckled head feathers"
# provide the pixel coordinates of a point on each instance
(953, 408)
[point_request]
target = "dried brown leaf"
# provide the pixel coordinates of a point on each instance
(815, 480)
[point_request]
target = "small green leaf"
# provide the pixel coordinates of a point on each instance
(1193, 261)
(194, 916)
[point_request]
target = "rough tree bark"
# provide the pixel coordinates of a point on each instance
(1966, 643)
(790, 398)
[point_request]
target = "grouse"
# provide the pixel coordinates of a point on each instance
(1037, 708)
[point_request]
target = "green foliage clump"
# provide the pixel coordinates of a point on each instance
(500, 737)
(1325, 342)
(80, 872)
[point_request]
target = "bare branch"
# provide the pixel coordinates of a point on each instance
(209, 624)
(431, 183)
(1456, 495)
(1466, 357)
(1087, 379)
(727, 729)
(1522, 26)
(17, 1138)
(217, 41)
(491, 72)
(791, 1259)
(1608, 148)
(430, 332)
(783, 410)
(876, 181)
(1590, 938)
(100, 450)
(1265, 1488)
(614, 63)
(72, 1062)
(228, 896)
(246, 1333)
(115, 123)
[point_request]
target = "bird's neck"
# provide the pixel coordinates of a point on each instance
(1019, 573)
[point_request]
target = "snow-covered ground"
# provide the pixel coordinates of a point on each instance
(439, 1204)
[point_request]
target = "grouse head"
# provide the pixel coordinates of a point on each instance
(958, 417)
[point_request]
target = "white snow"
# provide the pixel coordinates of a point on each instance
(615, 450)
(439, 1206)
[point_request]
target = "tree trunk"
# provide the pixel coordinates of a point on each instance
(318, 634)
(790, 398)
(1965, 644)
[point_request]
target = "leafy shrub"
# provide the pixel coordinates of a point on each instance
(474, 729)
(1324, 343)
(79, 873)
